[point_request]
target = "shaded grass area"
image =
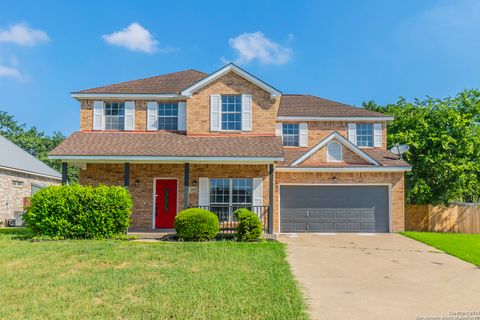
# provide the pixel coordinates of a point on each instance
(92, 279)
(463, 246)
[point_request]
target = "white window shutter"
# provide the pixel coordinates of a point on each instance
(377, 135)
(129, 115)
(182, 116)
(203, 192)
(98, 115)
(152, 116)
(352, 133)
(257, 192)
(303, 134)
(278, 129)
(246, 112)
(215, 106)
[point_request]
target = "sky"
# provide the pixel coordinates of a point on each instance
(347, 51)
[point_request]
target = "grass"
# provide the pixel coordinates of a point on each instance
(463, 246)
(91, 279)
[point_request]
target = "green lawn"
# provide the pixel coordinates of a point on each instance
(88, 279)
(463, 246)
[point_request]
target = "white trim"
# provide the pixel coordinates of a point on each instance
(154, 194)
(389, 185)
(328, 151)
(343, 169)
(342, 140)
(261, 160)
(300, 118)
(135, 96)
(230, 67)
(59, 178)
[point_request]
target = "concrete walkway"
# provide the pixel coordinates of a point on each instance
(380, 276)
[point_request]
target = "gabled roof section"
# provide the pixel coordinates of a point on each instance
(15, 158)
(171, 83)
(306, 107)
(338, 137)
(226, 69)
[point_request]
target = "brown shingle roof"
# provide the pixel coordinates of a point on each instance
(299, 105)
(167, 144)
(168, 83)
(385, 157)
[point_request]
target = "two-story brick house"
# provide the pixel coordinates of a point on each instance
(228, 139)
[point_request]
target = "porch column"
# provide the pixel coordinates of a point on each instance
(186, 185)
(64, 173)
(126, 175)
(271, 173)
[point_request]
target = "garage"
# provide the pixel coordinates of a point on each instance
(315, 208)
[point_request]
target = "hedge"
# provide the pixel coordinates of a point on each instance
(196, 224)
(76, 211)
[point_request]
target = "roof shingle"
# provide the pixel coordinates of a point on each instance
(299, 105)
(171, 83)
(167, 144)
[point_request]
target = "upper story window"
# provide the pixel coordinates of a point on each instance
(364, 135)
(114, 115)
(290, 134)
(334, 152)
(231, 112)
(168, 116)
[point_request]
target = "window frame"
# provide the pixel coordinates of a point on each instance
(232, 206)
(167, 116)
(370, 137)
(239, 96)
(121, 106)
(297, 125)
(328, 152)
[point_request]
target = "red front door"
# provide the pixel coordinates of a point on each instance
(165, 203)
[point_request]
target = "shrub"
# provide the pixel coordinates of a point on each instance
(249, 226)
(79, 212)
(196, 224)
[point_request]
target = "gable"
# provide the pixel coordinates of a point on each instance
(230, 68)
(353, 152)
(349, 157)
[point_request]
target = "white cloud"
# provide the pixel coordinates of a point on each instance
(134, 37)
(10, 72)
(23, 35)
(256, 46)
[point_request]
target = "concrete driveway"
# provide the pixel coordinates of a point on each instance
(380, 276)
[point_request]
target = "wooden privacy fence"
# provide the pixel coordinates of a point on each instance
(454, 218)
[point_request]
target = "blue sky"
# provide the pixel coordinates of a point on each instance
(349, 51)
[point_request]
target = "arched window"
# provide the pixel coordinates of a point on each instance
(334, 152)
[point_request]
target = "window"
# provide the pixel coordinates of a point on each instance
(227, 195)
(290, 134)
(168, 116)
(17, 183)
(334, 151)
(114, 115)
(364, 134)
(232, 112)
(36, 188)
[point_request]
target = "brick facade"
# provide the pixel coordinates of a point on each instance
(394, 179)
(349, 157)
(12, 196)
(264, 108)
(142, 178)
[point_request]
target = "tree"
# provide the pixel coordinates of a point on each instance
(33, 141)
(444, 140)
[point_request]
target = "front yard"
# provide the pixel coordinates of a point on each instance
(463, 246)
(86, 279)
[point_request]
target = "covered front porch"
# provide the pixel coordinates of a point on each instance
(161, 190)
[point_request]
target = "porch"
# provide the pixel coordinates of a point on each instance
(220, 188)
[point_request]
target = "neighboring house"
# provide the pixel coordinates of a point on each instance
(21, 175)
(228, 139)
